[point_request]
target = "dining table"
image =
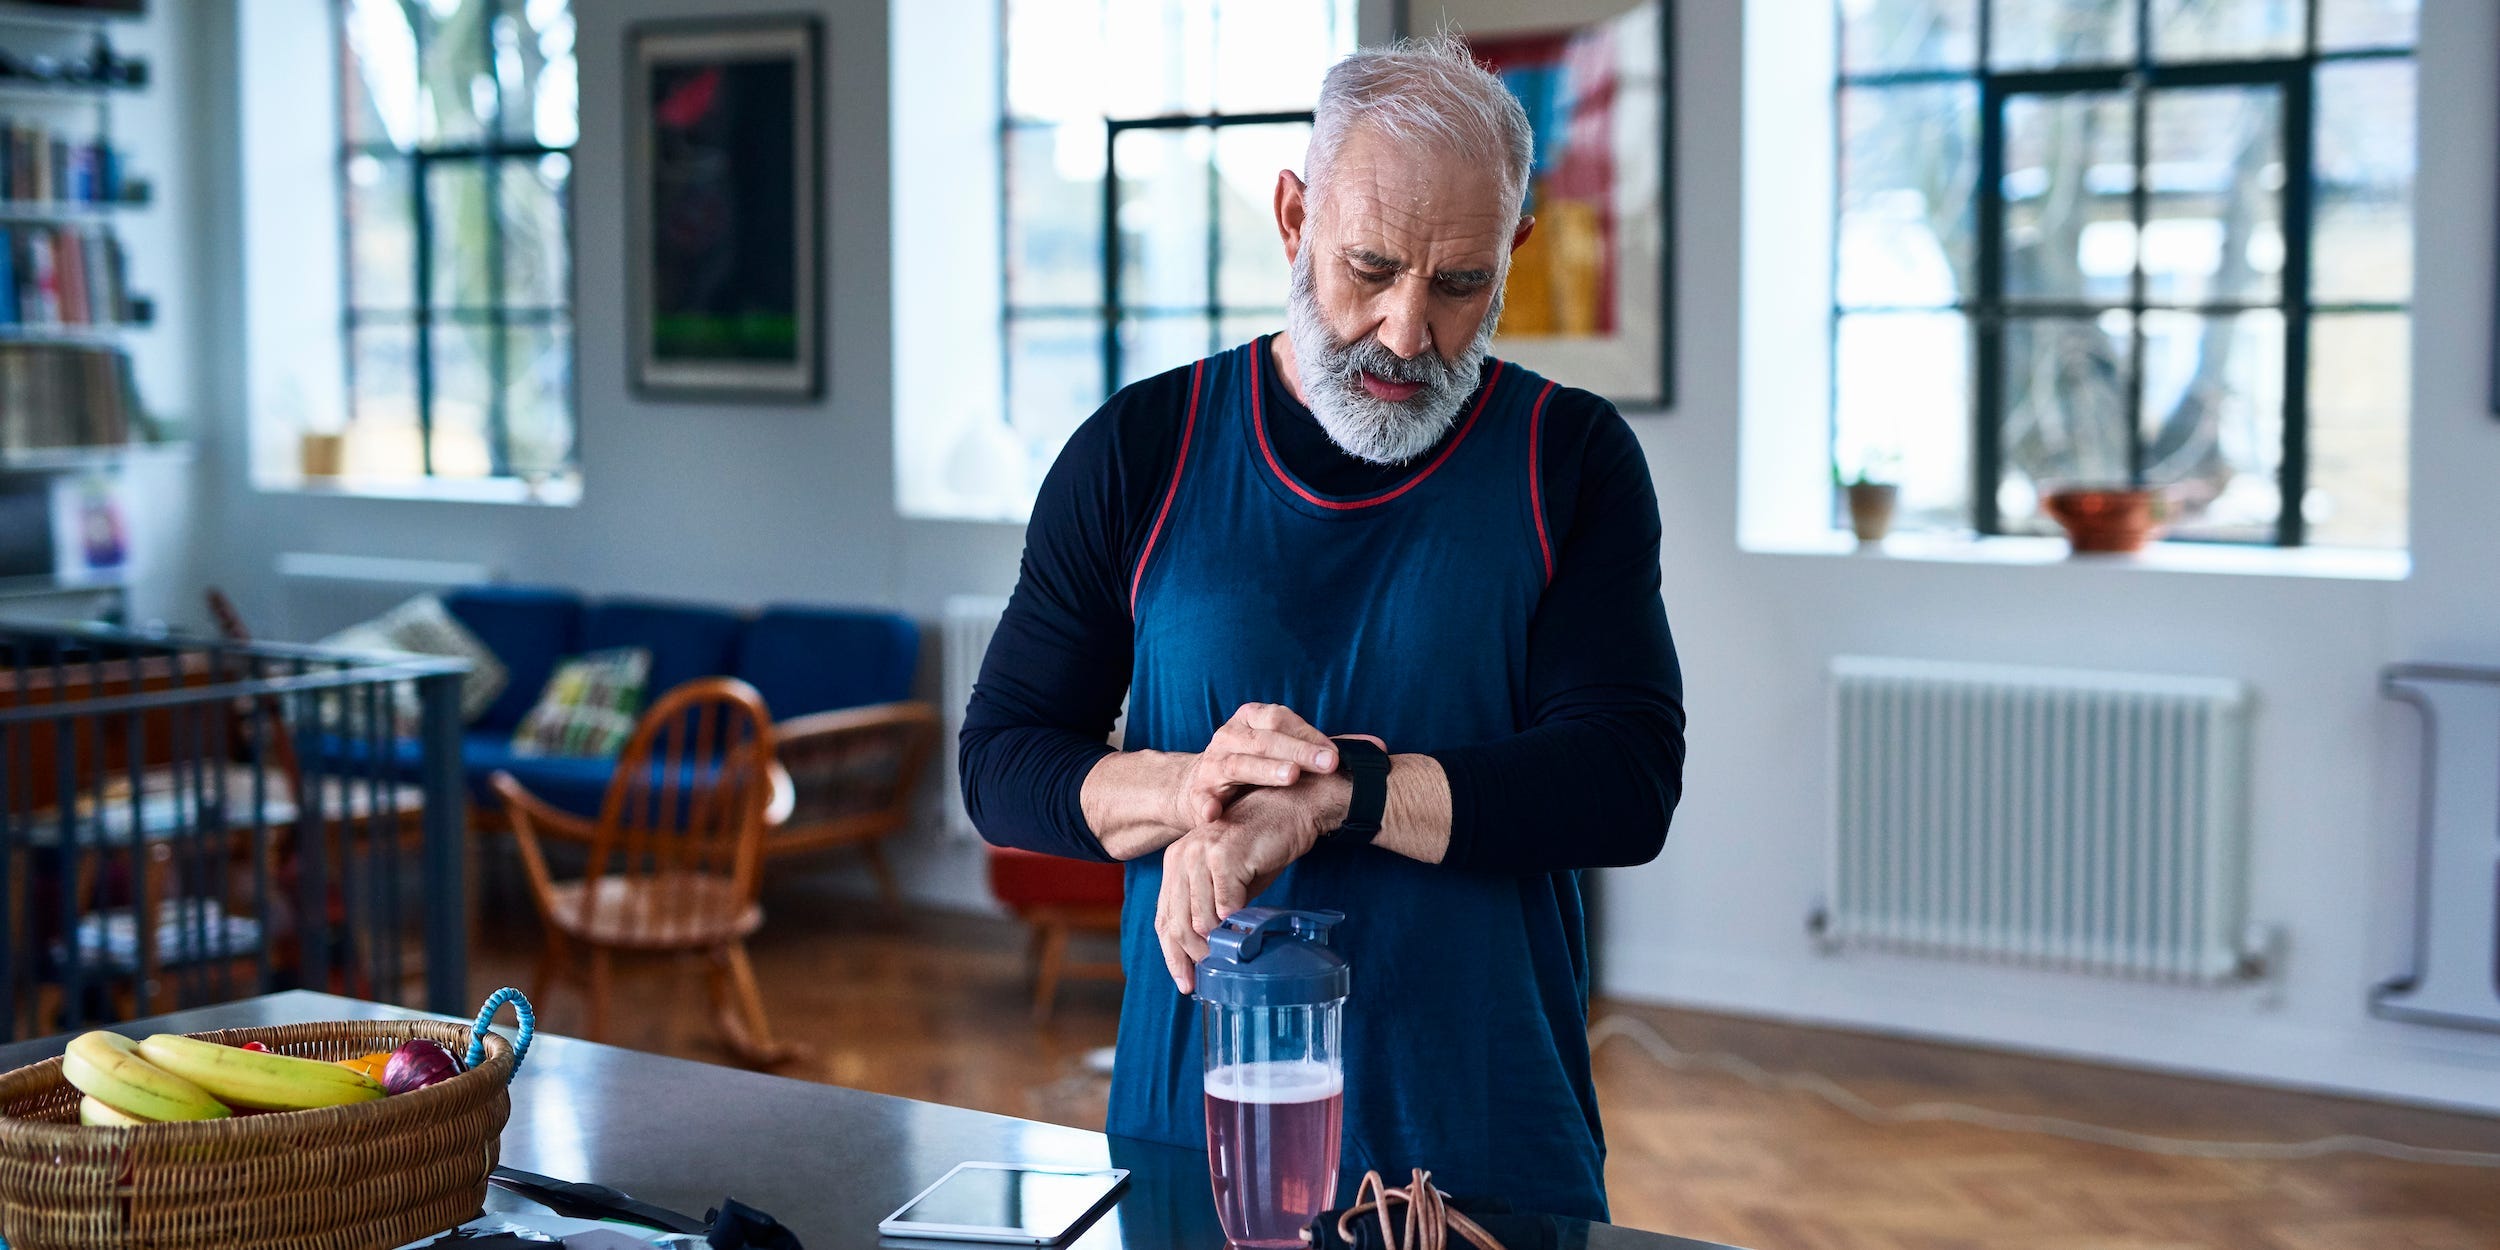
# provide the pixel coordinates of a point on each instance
(826, 1161)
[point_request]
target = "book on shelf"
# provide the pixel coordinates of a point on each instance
(65, 395)
(45, 167)
(67, 276)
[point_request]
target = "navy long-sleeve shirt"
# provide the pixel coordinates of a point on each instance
(1591, 782)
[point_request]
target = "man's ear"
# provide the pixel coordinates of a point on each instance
(1292, 211)
(1520, 235)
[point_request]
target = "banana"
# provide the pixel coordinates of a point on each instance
(105, 1068)
(102, 1115)
(262, 1080)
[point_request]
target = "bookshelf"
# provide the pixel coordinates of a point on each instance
(72, 420)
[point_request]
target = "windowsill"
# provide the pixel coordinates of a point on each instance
(2177, 557)
(553, 493)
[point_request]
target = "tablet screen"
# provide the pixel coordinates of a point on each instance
(1037, 1202)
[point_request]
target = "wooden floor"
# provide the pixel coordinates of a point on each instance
(935, 1008)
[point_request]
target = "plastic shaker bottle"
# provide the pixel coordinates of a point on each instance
(1273, 999)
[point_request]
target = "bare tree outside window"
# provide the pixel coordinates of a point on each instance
(457, 121)
(2128, 242)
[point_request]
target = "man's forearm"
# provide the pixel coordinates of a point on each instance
(1128, 801)
(1416, 823)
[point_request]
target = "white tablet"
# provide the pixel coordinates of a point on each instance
(1011, 1202)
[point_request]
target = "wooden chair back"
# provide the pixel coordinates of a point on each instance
(682, 826)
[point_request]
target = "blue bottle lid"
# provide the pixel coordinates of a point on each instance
(1272, 957)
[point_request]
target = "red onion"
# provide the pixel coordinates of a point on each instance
(416, 1064)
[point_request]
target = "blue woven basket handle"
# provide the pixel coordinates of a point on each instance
(521, 1010)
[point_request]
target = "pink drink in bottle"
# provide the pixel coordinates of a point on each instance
(1272, 1131)
(1274, 995)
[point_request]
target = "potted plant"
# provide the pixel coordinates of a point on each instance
(1873, 496)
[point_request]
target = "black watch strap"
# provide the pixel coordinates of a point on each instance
(1367, 766)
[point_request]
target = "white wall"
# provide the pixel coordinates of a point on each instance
(743, 504)
(1718, 920)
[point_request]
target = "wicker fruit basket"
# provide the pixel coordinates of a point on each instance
(368, 1176)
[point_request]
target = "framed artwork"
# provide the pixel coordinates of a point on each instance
(1590, 297)
(724, 252)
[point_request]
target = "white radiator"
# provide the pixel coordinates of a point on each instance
(2090, 821)
(970, 620)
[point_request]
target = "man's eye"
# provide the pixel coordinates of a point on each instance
(1372, 275)
(1461, 290)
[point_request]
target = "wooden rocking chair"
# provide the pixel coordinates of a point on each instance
(672, 857)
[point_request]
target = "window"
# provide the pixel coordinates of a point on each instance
(2165, 242)
(1188, 108)
(457, 120)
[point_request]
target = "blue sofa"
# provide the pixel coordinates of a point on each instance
(849, 743)
(804, 660)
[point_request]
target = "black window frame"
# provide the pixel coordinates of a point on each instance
(1987, 310)
(490, 155)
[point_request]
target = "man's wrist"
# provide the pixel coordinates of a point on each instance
(1333, 794)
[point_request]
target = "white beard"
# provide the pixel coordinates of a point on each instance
(1362, 424)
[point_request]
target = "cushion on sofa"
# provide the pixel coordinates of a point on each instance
(805, 660)
(589, 706)
(529, 628)
(422, 626)
(685, 641)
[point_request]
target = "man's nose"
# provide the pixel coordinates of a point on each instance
(1404, 326)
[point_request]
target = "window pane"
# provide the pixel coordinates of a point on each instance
(1884, 35)
(456, 87)
(1054, 380)
(2368, 23)
(1055, 67)
(534, 62)
(1150, 345)
(1902, 382)
(383, 361)
(538, 397)
(1236, 328)
(379, 61)
(2360, 382)
(2208, 30)
(2214, 228)
(2364, 229)
(2069, 179)
(1908, 168)
(2213, 422)
(1054, 215)
(381, 234)
(458, 203)
(463, 393)
(1163, 217)
(1251, 267)
(1270, 54)
(535, 252)
(2030, 34)
(2065, 407)
(1159, 57)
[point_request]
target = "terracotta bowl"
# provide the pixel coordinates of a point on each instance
(2104, 520)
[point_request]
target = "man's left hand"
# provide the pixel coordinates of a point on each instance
(1216, 869)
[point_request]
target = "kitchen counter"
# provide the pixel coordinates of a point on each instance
(828, 1162)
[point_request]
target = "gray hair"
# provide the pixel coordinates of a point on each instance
(1423, 90)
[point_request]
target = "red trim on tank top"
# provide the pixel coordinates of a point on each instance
(1258, 422)
(1188, 427)
(1536, 485)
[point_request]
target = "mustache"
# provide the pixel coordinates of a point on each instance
(1369, 355)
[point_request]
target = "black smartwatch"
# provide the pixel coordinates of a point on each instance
(1367, 765)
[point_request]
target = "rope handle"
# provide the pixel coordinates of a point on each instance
(1429, 1218)
(521, 1010)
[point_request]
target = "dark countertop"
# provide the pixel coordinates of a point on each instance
(828, 1162)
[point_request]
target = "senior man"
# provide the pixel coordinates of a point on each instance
(1362, 527)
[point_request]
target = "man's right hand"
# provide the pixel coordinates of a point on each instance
(1264, 744)
(1138, 802)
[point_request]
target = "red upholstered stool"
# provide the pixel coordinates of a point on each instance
(1058, 897)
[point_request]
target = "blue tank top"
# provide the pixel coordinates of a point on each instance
(1404, 614)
